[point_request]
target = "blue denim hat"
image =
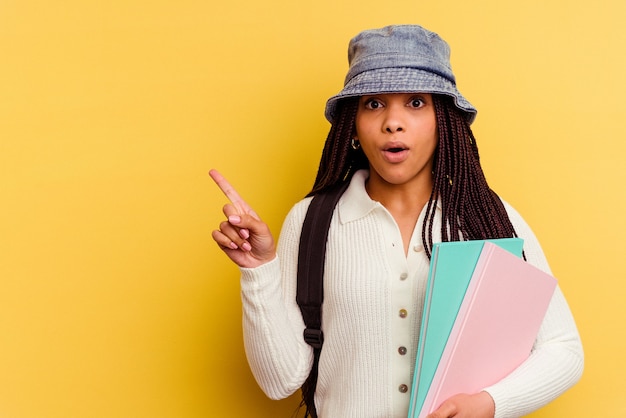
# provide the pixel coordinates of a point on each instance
(399, 59)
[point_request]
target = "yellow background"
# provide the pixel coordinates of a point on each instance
(114, 301)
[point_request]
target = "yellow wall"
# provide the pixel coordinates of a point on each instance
(114, 302)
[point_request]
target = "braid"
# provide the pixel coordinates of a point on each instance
(339, 161)
(470, 209)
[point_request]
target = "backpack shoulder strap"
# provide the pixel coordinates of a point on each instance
(310, 286)
(311, 256)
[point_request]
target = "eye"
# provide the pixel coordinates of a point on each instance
(417, 102)
(372, 103)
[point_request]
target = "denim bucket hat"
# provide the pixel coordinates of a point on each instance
(399, 59)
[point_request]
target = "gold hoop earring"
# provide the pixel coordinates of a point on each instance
(356, 144)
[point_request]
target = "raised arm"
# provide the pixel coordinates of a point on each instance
(243, 236)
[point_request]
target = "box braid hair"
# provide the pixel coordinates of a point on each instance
(470, 209)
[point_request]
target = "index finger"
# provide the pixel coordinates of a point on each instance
(230, 192)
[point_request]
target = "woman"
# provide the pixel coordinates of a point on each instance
(401, 136)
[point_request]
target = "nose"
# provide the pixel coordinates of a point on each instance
(393, 120)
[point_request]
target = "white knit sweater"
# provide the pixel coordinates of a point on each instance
(368, 280)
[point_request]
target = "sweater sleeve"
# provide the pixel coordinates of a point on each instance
(278, 356)
(556, 361)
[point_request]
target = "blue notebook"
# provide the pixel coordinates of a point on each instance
(451, 267)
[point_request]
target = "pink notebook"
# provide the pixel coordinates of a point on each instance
(495, 328)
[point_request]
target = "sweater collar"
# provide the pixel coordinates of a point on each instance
(355, 202)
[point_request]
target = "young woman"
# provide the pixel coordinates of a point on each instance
(401, 137)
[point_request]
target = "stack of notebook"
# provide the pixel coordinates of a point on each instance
(483, 308)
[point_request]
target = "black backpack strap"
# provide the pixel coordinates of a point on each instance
(310, 289)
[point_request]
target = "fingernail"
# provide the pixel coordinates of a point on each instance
(233, 246)
(246, 246)
(244, 233)
(234, 219)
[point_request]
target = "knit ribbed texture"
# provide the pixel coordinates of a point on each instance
(360, 368)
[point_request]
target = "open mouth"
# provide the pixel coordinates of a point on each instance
(395, 152)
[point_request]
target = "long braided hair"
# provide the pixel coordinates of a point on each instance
(470, 209)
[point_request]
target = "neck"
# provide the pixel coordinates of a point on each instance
(410, 196)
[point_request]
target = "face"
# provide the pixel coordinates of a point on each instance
(398, 134)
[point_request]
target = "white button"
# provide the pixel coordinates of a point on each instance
(418, 248)
(404, 276)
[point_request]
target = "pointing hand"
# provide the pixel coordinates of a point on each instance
(243, 236)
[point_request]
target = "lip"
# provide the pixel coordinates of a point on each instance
(395, 152)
